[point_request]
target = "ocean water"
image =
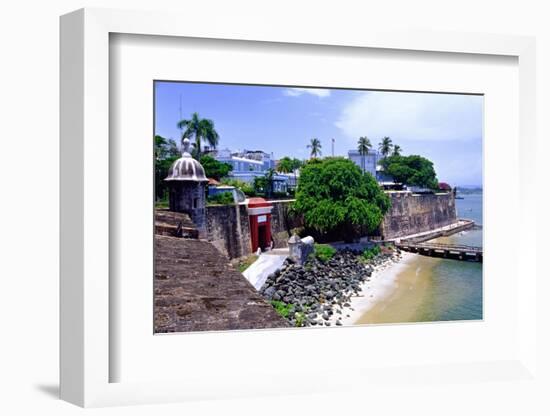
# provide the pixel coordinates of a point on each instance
(432, 289)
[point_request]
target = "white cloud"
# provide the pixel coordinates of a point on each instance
(296, 92)
(412, 116)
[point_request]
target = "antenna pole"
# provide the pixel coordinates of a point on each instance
(181, 118)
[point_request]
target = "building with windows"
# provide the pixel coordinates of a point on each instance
(371, 160)
(251, 164)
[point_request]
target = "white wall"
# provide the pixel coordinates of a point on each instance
(29, 159)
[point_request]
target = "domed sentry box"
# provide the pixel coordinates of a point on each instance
(187, 184)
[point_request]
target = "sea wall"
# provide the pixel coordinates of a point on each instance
(416, 213)
(228, 227)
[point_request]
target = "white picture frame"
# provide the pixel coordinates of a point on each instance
(86, 356)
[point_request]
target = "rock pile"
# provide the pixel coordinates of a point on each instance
(318, 290)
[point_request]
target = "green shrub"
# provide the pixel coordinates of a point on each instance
(224, 198)
(371, 253)
(246, 188)
(324, 252)
(280, 195)
(282, 308)
(300, 318)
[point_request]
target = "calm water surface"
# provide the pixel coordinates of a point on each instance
(433, 289)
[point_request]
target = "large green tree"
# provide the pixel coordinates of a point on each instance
(335, 197)
(200, 129)
(411, 170)
(363, 146)
(315, 146)
(289, 165)
(264, 184)
(214, 168)
(166, 152)
(285, 165)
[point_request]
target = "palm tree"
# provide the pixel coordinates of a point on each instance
(364, 145)
(288, 165)
(269, 179)
(385, 146)
(199, 128)
(396, 150)
(315, 146)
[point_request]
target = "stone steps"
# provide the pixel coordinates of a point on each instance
(175, 224)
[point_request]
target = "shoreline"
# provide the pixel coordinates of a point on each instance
(380, 285)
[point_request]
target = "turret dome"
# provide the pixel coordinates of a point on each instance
(186, 168)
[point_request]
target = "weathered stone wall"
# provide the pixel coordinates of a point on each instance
(282, 222)
(416, 213)
(228, 227)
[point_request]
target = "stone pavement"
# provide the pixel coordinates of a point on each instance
(197, 289)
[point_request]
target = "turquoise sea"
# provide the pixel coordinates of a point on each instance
(458, 285)
(432, 289)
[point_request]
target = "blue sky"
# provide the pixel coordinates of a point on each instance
(445, 128)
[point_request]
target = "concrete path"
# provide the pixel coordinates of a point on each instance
(266, 264)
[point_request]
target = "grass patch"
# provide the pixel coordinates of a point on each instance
(245, 262)
(323, 252)
(300, 318)
(162, 203)
(371, 253)
(285, 309)
(282, 308)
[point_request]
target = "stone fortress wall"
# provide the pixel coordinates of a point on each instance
(416, 213)
(228, 227)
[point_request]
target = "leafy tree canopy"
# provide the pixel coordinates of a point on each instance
(165, 148)
(166, 152)
(411, 170)
(288, 164)
(214, 168)
(264, 184)
(246, 188)
(334, 194)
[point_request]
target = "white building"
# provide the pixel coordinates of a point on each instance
(250, 164)
(371, 160)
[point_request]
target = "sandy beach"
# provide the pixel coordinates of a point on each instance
(375, 289)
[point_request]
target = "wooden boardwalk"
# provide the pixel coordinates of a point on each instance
(450, 251)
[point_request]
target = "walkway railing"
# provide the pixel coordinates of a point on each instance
(453, 251)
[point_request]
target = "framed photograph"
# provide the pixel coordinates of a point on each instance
(238, 209)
